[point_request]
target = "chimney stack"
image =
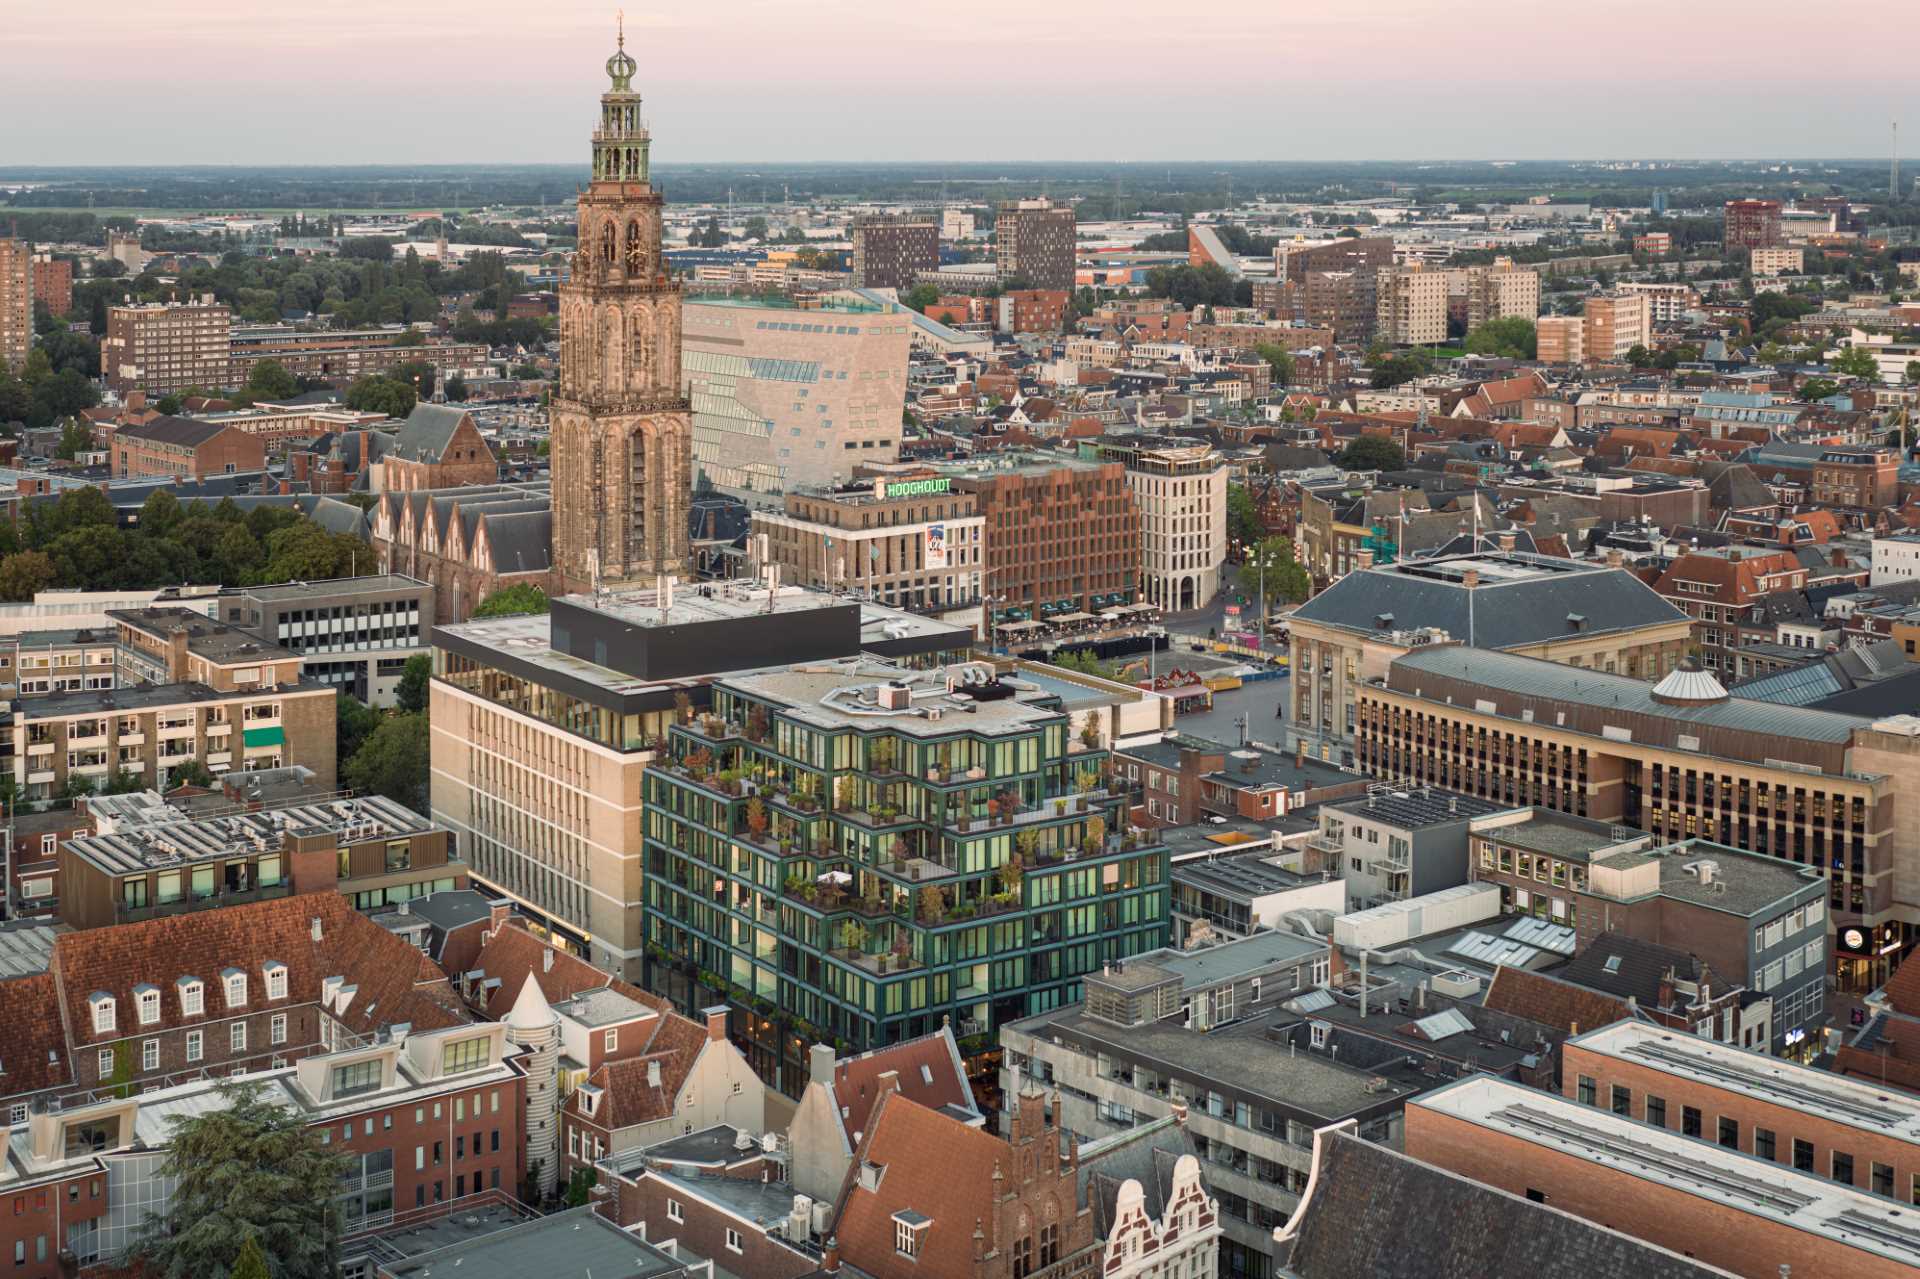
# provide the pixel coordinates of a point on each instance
(1614, 557)
(716, 1022)
(1470, 578)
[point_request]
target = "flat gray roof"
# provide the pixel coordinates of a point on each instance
(567, 1245)
(334, 588)
(1532, 677)
(155, 837)
(845, 694)
(1240, 1058)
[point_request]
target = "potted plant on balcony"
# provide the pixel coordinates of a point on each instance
(902, 949)
(1096, 835)
(1090, 733)
(757, 818)
(1009, 805)
(846, 793)
(1014, 867)
(757, 724)
(853, 935)
(682, 708)
(699, 762)
(933, 904)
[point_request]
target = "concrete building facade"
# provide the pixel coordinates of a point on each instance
(167, 347)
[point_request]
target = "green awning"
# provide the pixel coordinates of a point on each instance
(275, 736)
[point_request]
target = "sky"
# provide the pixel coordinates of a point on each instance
(738, 81)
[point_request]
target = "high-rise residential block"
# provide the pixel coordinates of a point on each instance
(1502, 291)
(16, 304)
(166, 347)
(1561, 339)
(1410, 306)
(1365, 253)
(788, 397)
(622, 427)
(1339, 300)
(1751, 224)
(890, 252)
(53, 283)
(1615, 325)
(1035, 241)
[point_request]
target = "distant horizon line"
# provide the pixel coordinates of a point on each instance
(923, 164)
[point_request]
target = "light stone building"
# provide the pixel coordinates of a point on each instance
(1180, 486)
(787, 397)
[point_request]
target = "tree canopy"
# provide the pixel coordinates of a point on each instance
(1279, 359)
(393, 761)
(75, 542)
(509, 601)
(1373, 453)
(376, 394)
(1273, 565)
(250, 1171)
(1243, 516)
(1511, 336)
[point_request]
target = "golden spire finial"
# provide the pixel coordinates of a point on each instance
(622, 20)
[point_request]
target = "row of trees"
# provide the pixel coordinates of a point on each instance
(75, 542)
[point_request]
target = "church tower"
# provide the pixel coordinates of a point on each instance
(622, 452)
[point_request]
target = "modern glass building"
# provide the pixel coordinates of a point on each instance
(853, 851)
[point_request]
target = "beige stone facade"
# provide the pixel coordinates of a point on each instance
(1500, 292)
(622, 429)
(543, 815)
(1411, 306)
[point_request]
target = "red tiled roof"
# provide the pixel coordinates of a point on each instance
(630, 1099)
(512, 954)
(930, 1073)
(33, 1052)
(1903, 990)
(1551, 1002)
(395, 982)
(932, 1165)
(1899, 1065)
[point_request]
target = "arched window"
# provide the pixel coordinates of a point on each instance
(607, 246)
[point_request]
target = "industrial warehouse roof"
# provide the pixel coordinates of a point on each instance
(1532, 678)
(1517, 600)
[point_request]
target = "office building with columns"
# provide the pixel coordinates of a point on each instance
(1180, 487)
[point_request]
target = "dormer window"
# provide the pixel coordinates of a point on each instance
(276, 979)
(236, 985)
(147, 1001)
(909, 1232)
(102, 1005)
(193, 996)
